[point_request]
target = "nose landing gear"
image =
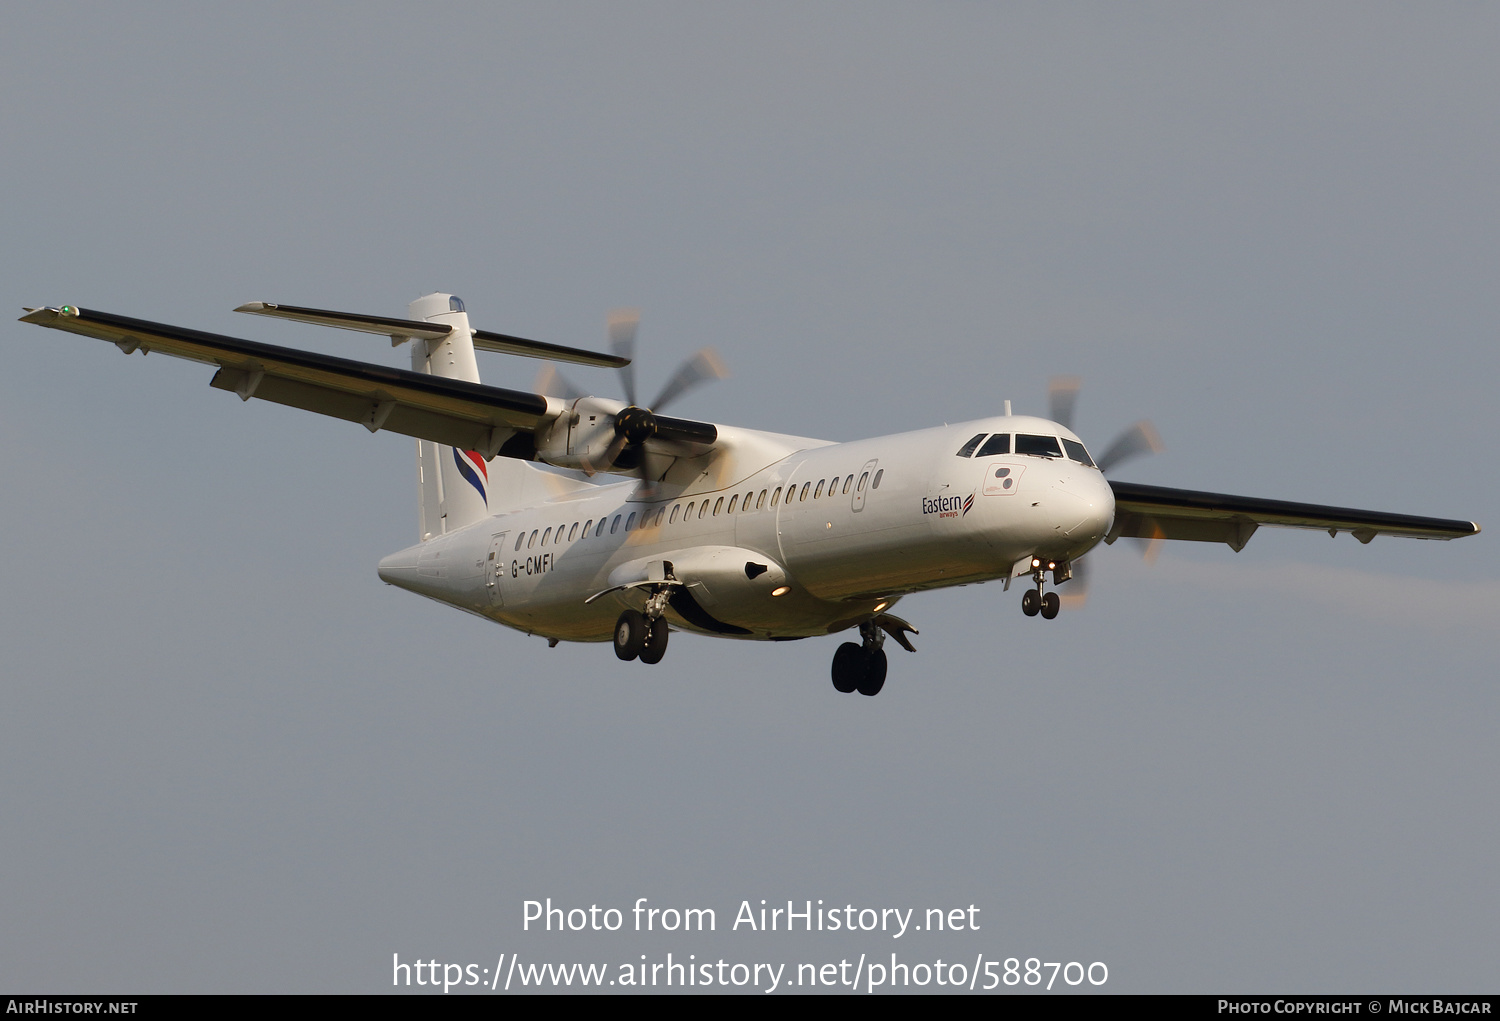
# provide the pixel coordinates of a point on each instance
(1035, 600)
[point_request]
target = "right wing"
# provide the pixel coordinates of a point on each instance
(1156, 512)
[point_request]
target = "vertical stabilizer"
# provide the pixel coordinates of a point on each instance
(454, 486)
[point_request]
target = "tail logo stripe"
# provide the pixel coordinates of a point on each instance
(466, 465)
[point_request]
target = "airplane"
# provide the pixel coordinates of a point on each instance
(587, 519)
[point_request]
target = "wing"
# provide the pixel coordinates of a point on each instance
(1155, 512)
(454, 412)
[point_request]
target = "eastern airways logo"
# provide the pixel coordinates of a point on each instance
(947, 506)
(468, 461)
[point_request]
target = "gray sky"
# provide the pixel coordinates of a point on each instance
(232, 760)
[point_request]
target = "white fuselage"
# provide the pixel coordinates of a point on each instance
(807, 544)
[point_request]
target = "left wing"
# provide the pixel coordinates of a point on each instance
(1156, 512)
(454, 412)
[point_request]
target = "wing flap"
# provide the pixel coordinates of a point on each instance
(1157, 512)
(448, 411)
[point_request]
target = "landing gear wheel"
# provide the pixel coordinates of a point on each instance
(846, 667)
(1050, 605)
(630, 634)
(656, 642)
(1031, 602)
(872, 676)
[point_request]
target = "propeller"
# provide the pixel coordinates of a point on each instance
(634, 424)
(1135, 441)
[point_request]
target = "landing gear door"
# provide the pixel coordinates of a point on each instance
(865, 475)
(494, 569)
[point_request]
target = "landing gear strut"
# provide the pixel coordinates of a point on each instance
(643, 635)
(1035, 601)
(861, 667)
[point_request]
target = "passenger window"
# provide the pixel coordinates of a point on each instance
(532, 541)
(819, 491)
(775, 496)
(702, 509)
(673, 519)
(732, 501)
(745, 503)
(862, 480)
(718, 505)
(998, 444)
(661, 513)
(878, 476)
(544, 536)
(519, 539)
(599, 528)
(968, 448)
(689, 511)
(614, 526)
(1076, 452)
(762, 501)
(1039, 446)
(847, 483)
(630, 521)
(586, 526)
(805, 487)
(573, 532)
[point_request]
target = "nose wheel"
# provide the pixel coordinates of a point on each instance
(1036, 601)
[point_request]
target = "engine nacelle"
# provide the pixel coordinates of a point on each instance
(580, 437)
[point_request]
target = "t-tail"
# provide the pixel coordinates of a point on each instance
(456, 487)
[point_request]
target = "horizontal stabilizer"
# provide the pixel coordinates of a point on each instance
(402, 330)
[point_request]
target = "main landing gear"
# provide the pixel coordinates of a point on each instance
(643, 635)
(1035, 601)
(861, 668)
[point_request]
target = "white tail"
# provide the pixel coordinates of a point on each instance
(455, 487)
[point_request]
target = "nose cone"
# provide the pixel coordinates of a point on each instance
(1085, 505)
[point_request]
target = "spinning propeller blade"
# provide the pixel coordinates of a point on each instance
(552, 383)
(635, 425)
(702, 367)
(1141, 438)
(623, 323)
(1062, 394)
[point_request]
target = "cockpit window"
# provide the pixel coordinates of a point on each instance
(1042, 446)
(1077, 453)
(968, 448)
(455, 303)
(998, 444)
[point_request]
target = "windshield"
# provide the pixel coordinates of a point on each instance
(1042, 446)
(1077, 453)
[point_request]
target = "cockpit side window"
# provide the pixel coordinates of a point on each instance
(968, 448)
(1077, 453)
(455, 303)
(998, 444)
(1042, 446)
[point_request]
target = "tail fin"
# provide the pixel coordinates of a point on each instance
(456, 487)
